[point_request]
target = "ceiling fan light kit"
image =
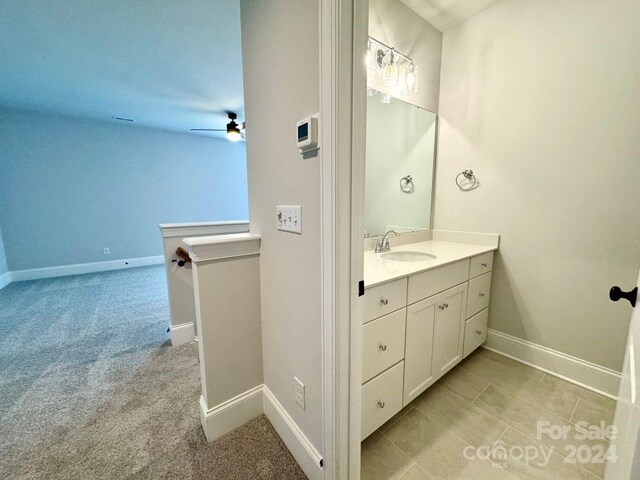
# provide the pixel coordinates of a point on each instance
(234, 130)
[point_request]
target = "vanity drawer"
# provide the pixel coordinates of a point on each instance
(381, 399)
(385, 298)
(475, 331)
(429, 283)
(481, 264)
(479, 290)
(383, 343)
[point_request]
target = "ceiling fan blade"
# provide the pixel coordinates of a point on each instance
(208, 129)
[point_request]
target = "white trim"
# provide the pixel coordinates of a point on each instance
(82, 268)
(230, 414)
(486, 239)
(336, 85)
(575, 370)
(294, 438)
(238, 410)
(351, 362)
(5, 279)
(203, 228)
(183, 333)
(216, 247)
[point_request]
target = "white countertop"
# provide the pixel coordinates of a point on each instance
(378, 270)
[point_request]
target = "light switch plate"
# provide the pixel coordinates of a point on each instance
(289, 218)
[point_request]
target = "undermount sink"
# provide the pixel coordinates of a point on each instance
(407, 256)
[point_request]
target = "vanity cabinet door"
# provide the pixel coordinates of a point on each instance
(448, 336)
(418, 374)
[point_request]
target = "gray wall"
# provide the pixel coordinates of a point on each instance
(3, 258)
(70, 187)
(540, 98)
(277, 95)
(395, 24)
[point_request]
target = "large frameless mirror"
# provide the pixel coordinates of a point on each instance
(399, 165)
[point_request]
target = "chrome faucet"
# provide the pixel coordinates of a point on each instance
(383, 244)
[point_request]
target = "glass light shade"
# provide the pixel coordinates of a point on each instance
(390, 72)
(371, 92)
(385, 98)
(411, 79)
(370, 59)
(234, 136)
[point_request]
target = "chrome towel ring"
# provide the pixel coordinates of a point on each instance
(471, 180)
(406, 184)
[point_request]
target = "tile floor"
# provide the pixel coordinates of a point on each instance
(492, 401)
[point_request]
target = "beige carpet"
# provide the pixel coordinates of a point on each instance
(148, 427)
(90, 389)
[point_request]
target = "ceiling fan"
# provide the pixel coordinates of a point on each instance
(234, 130)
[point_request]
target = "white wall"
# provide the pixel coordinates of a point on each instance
(392, 22)
(280, 46)
(540, 98)
(69, 187)
(400, 142)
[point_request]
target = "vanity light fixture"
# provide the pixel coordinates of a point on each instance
(394, 68)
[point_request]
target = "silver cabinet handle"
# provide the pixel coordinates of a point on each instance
(479, 332)
(384, 301)
(383, 347)
(481, 294)
(381, 404)
(441, 307)
(446, 305)
(483, 264)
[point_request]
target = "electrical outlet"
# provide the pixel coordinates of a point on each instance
(106, 251)
(289, 218)
(299, 393)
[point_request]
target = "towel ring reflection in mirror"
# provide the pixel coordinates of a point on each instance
(470, 183)
(406, 184)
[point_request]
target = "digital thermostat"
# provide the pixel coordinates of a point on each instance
(307, 130)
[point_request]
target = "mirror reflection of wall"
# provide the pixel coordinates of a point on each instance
(400, 142)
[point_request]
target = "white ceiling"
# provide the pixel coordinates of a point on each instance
(444, 14)
(167, 64)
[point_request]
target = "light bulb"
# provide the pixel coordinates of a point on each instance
(233, 136)
(411, 78)
(390, 72)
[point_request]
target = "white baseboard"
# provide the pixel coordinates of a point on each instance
(80, 268)
(5, 279)
(296, 441)
(580, 372)
(231, 414)
(183, 333)
(235, 412)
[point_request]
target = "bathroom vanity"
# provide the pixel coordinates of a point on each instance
(427, 291)
(425, 309)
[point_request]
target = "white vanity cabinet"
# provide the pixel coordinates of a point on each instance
(416, 329)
